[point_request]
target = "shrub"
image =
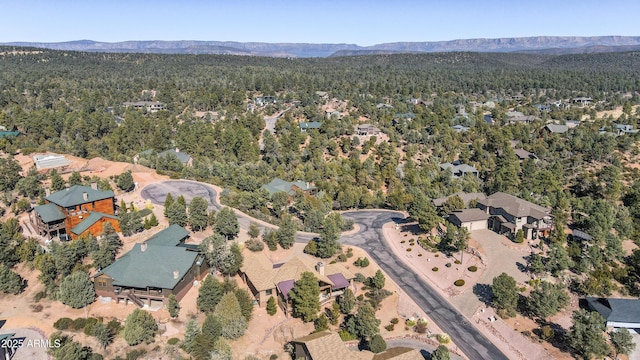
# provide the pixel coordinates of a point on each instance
(62, 323)
(408, 249)
(547, 332)
(472, 268)
(39, 296)
(79, 323)
(342, 258)
(173, 341)
(437, 255)
(403, 241)
(457, 262)
(447, 264)
(360, 278)
(458, 282)
(435, 269)
(361, 262)
(273, 357)
(254, 245)
(114, 326)
(421, 327)
(443, 338)
(389, 327)
(346, 336)
(410, 322)
(419, 254)
(394, 321)
(88, 326)
(136, 354)
(349, 252)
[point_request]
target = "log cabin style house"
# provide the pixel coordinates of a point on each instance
(75, 211)
(154, 269)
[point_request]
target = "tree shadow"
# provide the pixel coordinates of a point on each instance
(522, 267)
(557, 340)
(483, 292)
(425, 354)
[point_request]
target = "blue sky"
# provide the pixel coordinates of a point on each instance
(322, 21)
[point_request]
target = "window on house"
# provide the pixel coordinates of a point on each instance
(102, 282)
(268, 292)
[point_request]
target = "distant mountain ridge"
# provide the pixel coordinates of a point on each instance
(536, 44)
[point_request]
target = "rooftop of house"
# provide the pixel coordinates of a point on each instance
(310, 125)
(171, 236)
(182, 156)
(523, 154)
(49, 213)
(460, 128)
(466, 198)
(515, 206)
(49, 161)
(277, 185)
(467, 215)
(75, 195)
(616, 310)
(327, 345)
(556, 128)
(457, 167)
(9, 134)
(265, 275)
(86, 223)
(158, 264)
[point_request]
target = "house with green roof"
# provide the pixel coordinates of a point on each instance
(278, 185)
(75, 211)
(182, 156)
(153, 270)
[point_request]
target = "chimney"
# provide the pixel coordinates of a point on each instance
(177, 150)
(94, 185)
(307, 185)
(176, 274)
(47, 191)
(85, 196)
(143, 246)
(320, 268)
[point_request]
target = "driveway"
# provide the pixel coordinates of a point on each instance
(157, 192)
(470, 341)
(499, 258)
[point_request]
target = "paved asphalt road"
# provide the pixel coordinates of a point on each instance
(473, 343)
(370, 238)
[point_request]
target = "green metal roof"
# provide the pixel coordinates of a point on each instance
(277, 185)
(49, 213)
(74, 196)
(153, 267)
(93, 218)
(170, 236)
(310, 125)
(9, 133)
(183, 157)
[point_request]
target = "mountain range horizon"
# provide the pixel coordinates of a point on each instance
(555, 45)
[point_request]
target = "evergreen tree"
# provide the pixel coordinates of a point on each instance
(177, 214)
(441, 353)
(505, 293)
(173, 306)
(226, 223)
(347, 301)
(103, 334)
(254, 230)
(209, 294)
(202, 347)
(286, 232)
(272, 308)
(139, 327)
(586, 335)
(271, 238)
(198, 215)
(212, 327)
(75, 179)
(423, 211)
(622, 341)
(305, 297)
(125, 182)
(190, 334)
(76, 290)
(229, 314)
(10, 281)
(377, 344)
(364, 323)
(167, 204)
(327, 244)
(377, 280)
(57, 182)
(547, 299)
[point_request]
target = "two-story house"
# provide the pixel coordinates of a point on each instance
(508, 214)
(75, 211)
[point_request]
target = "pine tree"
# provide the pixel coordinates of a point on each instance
(377, 344)
(76, 290)
(229, 314)
(347, 301)
(226, 223)
(190, 335)
(177, 214)
(167, 203)
(272, 308)
(209, 294)
(139, 327)
(198, 215)
(305, 297)
(173, 306)
(212, 327)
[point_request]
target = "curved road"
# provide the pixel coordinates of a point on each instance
(370, 238)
